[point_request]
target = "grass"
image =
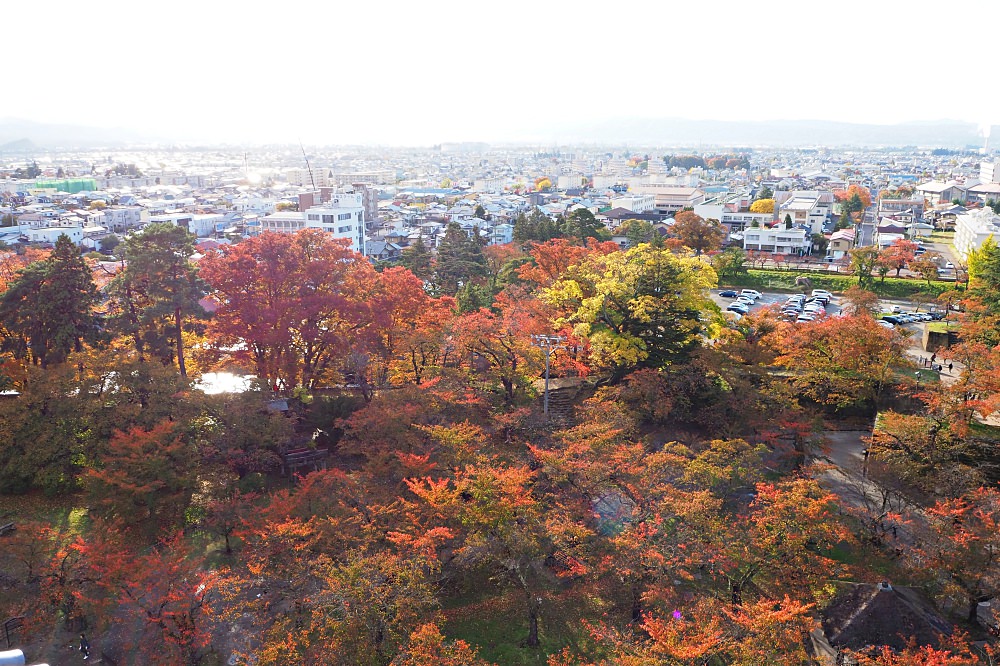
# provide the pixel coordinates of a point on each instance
(784, 280)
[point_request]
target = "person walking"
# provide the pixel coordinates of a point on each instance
(84, 646)
(933, 358)
(950, 366)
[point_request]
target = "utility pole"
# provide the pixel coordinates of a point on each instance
(548, 344)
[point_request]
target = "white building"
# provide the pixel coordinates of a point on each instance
(51, 234)
(284, 222)
(488, 185)
(811, 208)
(343, 216)
(120, 219)
(501, 234)
(784, 241)
(989, 172)
(973, 228)
(637, 203)
(570, 181)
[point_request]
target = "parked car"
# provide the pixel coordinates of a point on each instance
(728, 293)
(949, 265)
(736, 306)
(891, 319)
(805, 317)
(937, 316)
(884, 324)
(752, 293)
(822, 293)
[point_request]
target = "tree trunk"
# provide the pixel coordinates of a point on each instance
(180, 343)
(533, 607)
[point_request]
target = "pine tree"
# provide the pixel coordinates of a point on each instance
(159, 292)
(418, 259)
(459, 260)
(48, 311)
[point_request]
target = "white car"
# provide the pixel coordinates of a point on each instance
(822, 293)
(738, 307)
(751, 293)
(884, 324)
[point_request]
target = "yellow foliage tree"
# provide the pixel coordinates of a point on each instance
(762, 206)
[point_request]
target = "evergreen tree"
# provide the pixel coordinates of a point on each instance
(159, 291)
(418, 259)
(48, 311)
(459, 259)
(582, 224)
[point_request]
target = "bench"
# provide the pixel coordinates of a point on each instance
(9, 527)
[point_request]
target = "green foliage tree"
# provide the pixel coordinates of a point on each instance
(582, 224)
(765, 193)
(639, 308)
(460, 260)
(157, 295)
(418, 259)
(863, 261)
(730, 262)
(47, 312)
(535, 226)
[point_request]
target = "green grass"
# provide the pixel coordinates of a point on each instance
(784, 280)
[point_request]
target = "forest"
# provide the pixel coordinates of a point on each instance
(390, 491)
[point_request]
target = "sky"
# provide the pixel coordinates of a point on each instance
(425, 71)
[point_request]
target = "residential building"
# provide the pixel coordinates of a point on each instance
(890, 207)
(984, 192)
(501, 234)
(841, 242)
(342, 217)
(936, 192)
(119, 219)
(812, 208)
(284, 222)
(778, 239)
(973, 228)
(989, 172)
(493, 185)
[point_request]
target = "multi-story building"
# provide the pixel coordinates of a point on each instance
(637, 203)
(343, 216)
(811, 208)
(119, 219)
(669, 197)
(778, 239)
(989, 172)
(973, 228)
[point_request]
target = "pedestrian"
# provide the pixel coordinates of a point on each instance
(933, 358)
(950, 366)
(85, 646)
(893, 531)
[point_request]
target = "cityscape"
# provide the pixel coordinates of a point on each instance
(440, 335)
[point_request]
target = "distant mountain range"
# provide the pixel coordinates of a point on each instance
(19, 135)
(679, 131)
(25, 136)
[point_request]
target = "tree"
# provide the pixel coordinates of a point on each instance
(927, 266)
(765, 193)
(899, 254)
(730, 262)
(819, 243)
(788, 220)
(582, 224)
(293, 303)
(841, 361)
(418, 259)
(863, 261)
(859, 302)
(47, 312)
(460, 259)
(697, 233)
(480, 212)
(145, 479)
(639, 308)
(159, 292)
(762, 206)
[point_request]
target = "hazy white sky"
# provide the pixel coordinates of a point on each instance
(427, 71)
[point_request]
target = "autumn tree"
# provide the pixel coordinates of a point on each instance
(145, 479)
(635, 308)
(48, 311)
(965, 547)
(159, 292)
(840, 361)
(762, 206)
(859, 302)
(899, 254)
(696, 233)
(927, 266)
(502, 340)
(292, 304)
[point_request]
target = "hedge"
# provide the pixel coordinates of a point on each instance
(784, 280)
